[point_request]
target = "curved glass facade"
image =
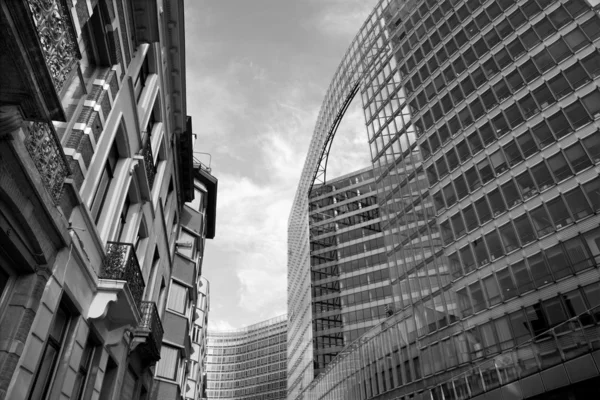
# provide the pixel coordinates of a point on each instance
(483, 120)
(248, 363)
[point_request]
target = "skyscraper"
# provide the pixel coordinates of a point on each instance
(248, 363)
(349, 274)
(482, 120)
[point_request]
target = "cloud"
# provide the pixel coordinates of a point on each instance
(342, 17)
(219, 325)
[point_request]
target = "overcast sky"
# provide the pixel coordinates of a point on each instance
(257, 72)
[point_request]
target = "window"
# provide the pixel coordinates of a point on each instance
(541, 221)
(539, 270)
(543, 96)
(509, 237)
(591, 103)
(491, 289)
(592, 145)
(578, 254)
(592, 189)
(557, 259)
(56, 337)
(497, 202)
(494, 245)
(524, 229)
(527, 144)
(592, 28)
(526, 185)
(559, 167)
(468, 261)
(84, 369)
(577, 158)
(483, 210)
(167, 366)
(542, 134)
(470, 217)
(106, 177)
(140, 80)
(449, 195)
(576, 76)
(473, 179)
(507, 284)
(477, 296)
(511, 194)
(576, 39)
(521, 274)
(513, 154)
(542, 176)
(178, 297)
(485, 171)
(558, 212)
(543, 60)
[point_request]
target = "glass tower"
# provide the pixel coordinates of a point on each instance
(482, 121)
(248, 363)
(350, 278)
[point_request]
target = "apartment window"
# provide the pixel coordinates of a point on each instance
(559, 167)
(541, 132)
(509, 237)
(557, 259)
(492, 290)
(542, 176)
(468, 261)
(577, 157)
(539, 270)
(591, 103)
(527, 144)
(140, 80)
(497, 202)
(513, 154)
(592, 28)
(178, 297)
(494, 245)
(47, 366)
(461, 186)
(167, 366)
(522, 276)
(84, 369)
(558, 212)
(541, 221)
(511, 194)
(543, 60)
(524, 229)
(106, 177)
(470, 217)
(477, 296)
(592, 190)
(507, 284)
(576, 76)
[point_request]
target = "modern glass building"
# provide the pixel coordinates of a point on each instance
(248, 363)
(350, 278)
(482, 121)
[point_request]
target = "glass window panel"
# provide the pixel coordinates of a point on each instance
(494, 245)
(461, 186)
(498, 162)
(576, 39)
(497, 202)
(489, 99)
(476, 108)
(526, 184)
(591, 103)
(522, 276)
(559, 167)
(558, 262)
(592, 145)
(592, 64)
(524, 229)
(481, 253)
(542, 133)
(449, 195)
(516, 48)
(559, 86)
(576, 75)
(492, 290)
(541, 221)
(441, 166)
(558, 212)
(468, 261)
(578, 204)
(592, 190)
(470, 217)
(480, 47)
(463, 151)
(513, 154)
(576, 7)
(530, 39)
(559, 50)
(464, 302)
(507, 284)
(520, 327)
(473, 179)
(511, 194)
(559, 124)
(469, 56)
(477, 296)
(438, 201)
(539, 270)
(575, 305)
(577, 157)
(559, 17)
(483, 210)
(543, 60)
(446, 232)
(492, 38)
(555, 312)
(513, 116)
(544, 28)
(444, 133)
(502, 58)
(500, 124)
(455, 267)
(431, 175)
(578, 254)
(509, 237)
(542, 176)
(501, 90)
(458, 225)
(456, 94)
(485, 171)
(592, 28)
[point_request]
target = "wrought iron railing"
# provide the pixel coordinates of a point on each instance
(121, 263)
(57, 38)
(149, 161)
(152, 326)
(45, 150)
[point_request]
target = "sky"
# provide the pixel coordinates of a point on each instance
(257, 73)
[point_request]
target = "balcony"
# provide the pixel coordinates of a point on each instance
(148, 335)
(149, 163)
(118, 301)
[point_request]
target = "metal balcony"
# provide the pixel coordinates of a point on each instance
(149, 333)
(121, 263)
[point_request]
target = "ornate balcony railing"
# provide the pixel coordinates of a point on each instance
(121, 263)
(45, 150)
(149, 161)
(57, 38)
(151, 329)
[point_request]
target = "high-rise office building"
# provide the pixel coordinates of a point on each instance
(103, 210)
(248, 363)
(482, 120)
(349, 273)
